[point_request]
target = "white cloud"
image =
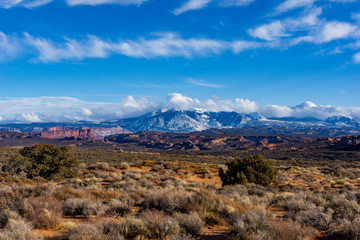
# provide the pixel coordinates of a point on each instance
(293, 4)
(48, 51)
(330, 31)
(37, 3)
(203, 83)
(9, 47)
(199, 4)
(49, 109)
(23, 3)
(240, 46)
(282, 28)
(356, 58)
(100, 2)
(356, 17)
(163, 45)
(45, 109)
(228, 3)
(269, 32)
(191, 5)
(177, 100)
(336, 30)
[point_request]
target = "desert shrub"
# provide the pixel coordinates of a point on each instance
(46, 161)
(111, 228)
(191, 223)
(344, 229)
(23, 207)
(250, 225)
(100, 165)
(253, 225)
(159, 224)
(78, 206)
(85, 232)
(105, 195)
(48, 202)
(169, 201)
(6, 216)
(133, 228)
(18, 230)
(45, 218)
(157, 167)
(284, 230)
(254, 169)
(124, 165)
(120, 207)
(66, 192)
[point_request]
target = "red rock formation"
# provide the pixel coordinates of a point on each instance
(81, 132)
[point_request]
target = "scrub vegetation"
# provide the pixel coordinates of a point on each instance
(155, 196)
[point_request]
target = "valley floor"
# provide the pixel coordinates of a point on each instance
(154, 196)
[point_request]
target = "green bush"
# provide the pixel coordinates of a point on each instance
(43, 160)
(254, 169)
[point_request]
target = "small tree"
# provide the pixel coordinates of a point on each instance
(44, 160)
(254, 169)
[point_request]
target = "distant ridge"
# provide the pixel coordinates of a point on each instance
(184, 121)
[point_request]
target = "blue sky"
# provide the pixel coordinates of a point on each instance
(133, 55)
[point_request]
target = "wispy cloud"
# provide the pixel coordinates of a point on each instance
(270, 31)
(100, 2)
(293, 4)
(191, 5)
(23, 3)
(200, 4)
(144, 85)
(161, 45)
(200, 83)
(330, 31)
(283, 28)
(38, 3)
(356, 58)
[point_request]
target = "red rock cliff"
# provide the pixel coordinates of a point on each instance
(81, 132)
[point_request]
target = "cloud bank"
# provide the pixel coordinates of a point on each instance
(50, 109)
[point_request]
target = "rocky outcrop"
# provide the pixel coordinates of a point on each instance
(80, 132)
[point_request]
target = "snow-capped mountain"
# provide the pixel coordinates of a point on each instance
(174, 120)
(188, 120)
(343, 121)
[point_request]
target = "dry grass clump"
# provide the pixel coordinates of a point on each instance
(159, 224)
(6, 216)
(132, 228)
(18, 230)
(261, 224)
(190, 223)
(45, 218)
(79, 206)
(120, 207)
(123, 165)
(168, 201)
(85, 232)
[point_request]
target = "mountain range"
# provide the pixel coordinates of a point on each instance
(183, 121)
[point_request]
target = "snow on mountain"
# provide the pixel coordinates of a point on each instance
(343, 121)
(176, 120)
